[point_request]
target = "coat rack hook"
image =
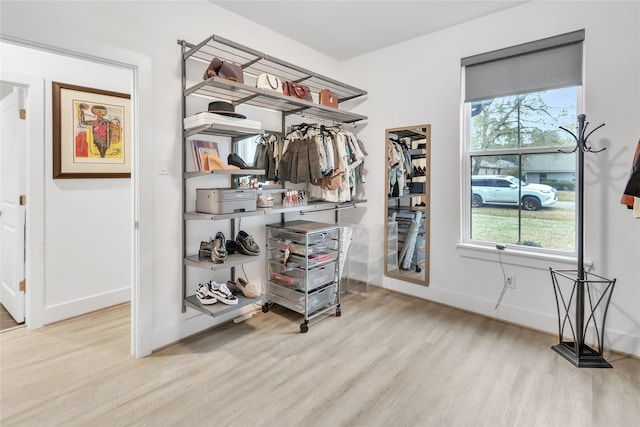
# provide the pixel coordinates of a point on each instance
(581, 140)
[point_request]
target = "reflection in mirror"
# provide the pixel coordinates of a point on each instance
(257, 151)
(407, 207)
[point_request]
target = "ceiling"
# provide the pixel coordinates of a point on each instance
(346, 29)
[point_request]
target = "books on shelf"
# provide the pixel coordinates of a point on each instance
(201, 150)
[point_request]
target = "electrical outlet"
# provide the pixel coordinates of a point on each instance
(510, 281)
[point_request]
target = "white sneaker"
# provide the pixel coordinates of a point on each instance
(205, 297)
(222, 293)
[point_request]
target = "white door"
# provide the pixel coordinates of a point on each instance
(12, 212)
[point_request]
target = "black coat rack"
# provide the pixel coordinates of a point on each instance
(587, 287)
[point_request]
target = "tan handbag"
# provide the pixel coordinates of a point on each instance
(270, 82)
(328, 98)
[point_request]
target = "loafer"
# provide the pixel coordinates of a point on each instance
(219, 249)
(249, 290)
(247, 243)
(206, 248)
(235, 160)
(234, 247)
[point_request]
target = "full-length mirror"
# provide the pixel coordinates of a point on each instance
(407, 206)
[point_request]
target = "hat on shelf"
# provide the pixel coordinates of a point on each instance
(224, 108)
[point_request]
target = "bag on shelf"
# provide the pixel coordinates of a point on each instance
(297, 90)
(269, 81)
(328, 98)
(224, 70)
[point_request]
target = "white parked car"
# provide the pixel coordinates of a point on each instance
(504, 190)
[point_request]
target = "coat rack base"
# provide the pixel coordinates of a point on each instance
(586, 357)
(582, 301)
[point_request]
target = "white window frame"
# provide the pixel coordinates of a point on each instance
(465, 204)
(476, 248)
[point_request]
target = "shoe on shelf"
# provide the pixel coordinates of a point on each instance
(222, 293)
(247, 243)
(206, 248)
(205, 297)
(232, 287)
(235, 160)
(219, 249)
(249, 290)
(233, 247)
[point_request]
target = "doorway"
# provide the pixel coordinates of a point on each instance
(12, 207)
(139, 223)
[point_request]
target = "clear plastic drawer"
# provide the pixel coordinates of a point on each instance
(295, 300)
(304, 262)
(302, 238)
(297, 278)
(302, 249)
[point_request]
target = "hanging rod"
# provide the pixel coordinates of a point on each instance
(327, 121)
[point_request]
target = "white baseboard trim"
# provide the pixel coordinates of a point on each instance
(613, 340)
(192, 325)
(69, 309)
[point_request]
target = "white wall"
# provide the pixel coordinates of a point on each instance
(153, 29)
(87, 221)
(433, 69)
(472, 280)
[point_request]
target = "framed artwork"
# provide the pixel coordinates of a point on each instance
(91, 132)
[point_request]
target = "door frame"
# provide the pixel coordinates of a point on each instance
(141, 184)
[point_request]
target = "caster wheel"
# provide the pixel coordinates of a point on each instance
(338, 312)
(304, 328)
(265, 308)
(418, 269)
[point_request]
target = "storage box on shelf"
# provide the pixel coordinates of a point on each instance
(302, 269)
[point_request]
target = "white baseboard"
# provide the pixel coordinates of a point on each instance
(69, 309)
(192, 325)
(613, 340)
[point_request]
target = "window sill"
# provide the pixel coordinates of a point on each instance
(515, 256)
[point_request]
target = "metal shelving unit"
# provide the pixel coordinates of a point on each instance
(195, 59)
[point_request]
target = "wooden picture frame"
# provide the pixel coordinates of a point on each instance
(91, 132)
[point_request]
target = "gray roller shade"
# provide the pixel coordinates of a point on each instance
(549, 63)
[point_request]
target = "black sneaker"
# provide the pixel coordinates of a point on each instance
(219, 249)
(248, 245)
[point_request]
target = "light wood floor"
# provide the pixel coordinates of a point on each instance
(390, 360)
(6, 321)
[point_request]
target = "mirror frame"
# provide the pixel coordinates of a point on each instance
(418, 133)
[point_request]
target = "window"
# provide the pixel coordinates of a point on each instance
(520, 169)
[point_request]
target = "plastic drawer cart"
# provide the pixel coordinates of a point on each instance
(302, 268)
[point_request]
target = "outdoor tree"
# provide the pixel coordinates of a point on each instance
(520, 121)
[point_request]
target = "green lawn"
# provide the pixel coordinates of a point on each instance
(552, 227)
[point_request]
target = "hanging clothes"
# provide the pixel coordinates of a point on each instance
(327, 158)
(267, 156)
(633, 186)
